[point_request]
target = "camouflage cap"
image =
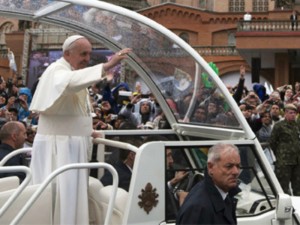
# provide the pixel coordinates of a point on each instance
(290, 106)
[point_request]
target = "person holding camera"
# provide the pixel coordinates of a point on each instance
(21, 103)
(3, 87)
(251, 99)
(11, 88)
(141, 109)
(264, 134)
(24, 101)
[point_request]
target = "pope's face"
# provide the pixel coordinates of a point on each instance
(79, 55)
(225, 172)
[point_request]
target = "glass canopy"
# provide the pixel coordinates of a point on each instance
(187, 89)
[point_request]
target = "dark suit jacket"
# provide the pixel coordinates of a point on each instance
(124, 176)
(204, 205)
(15, 161)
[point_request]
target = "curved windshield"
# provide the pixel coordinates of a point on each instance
(161, 65)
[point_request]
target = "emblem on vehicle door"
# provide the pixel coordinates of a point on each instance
(148, 198)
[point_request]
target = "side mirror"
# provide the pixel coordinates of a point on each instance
(284, 209)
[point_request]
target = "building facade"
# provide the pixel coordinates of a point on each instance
(228, 5)
(214, 28)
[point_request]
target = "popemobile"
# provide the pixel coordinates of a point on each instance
(181, 81)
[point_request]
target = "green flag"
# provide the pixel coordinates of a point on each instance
(205, 78)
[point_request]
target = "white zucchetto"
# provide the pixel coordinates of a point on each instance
(67, 43)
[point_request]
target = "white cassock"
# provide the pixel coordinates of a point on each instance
(64, 136)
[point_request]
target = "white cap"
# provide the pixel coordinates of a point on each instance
(69, 41)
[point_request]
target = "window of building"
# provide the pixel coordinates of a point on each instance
(236, 5)
(164, 1)
(260, 6)
(231, 39)
(185, 36)
(202, 4)
(5, 28)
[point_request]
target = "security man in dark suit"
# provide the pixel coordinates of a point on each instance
(124, 170)
(211, 200)
(13, 135)
(123, 166)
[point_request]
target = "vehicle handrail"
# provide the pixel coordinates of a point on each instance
(265, 145)
(197, 84)
(21, 187)
(14, 153)
(116, 144)
(60, 170)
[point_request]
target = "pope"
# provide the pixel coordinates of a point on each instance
(65, 125)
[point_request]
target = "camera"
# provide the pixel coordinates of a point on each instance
(124, 96)
(98, 98)
(125, 93)
(113, 116)
(17, 100)
(9, 83)
(145, 95)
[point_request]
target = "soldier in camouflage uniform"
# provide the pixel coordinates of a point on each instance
(285, 143)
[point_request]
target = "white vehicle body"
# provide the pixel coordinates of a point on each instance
(170, 69)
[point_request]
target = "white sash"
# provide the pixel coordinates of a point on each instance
(65, 125)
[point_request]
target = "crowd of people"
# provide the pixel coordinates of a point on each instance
(15, 101)
(112, 107)
(264, 112)
(274, 118)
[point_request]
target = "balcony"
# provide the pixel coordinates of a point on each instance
(216, 50)
(130, 4)
(267, 34)
(265, 26)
